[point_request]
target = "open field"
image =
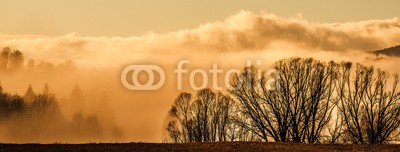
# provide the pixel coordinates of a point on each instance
(224, 146)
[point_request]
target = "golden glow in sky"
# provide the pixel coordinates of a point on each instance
(133, 17)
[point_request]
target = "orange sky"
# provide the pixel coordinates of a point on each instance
(128, 17)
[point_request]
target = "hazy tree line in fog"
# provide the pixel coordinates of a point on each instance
(34, 114)
(33, 104)
(14, 60)
(309, 101)
(39, 116)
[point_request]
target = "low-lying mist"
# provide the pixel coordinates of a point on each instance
(48, 113)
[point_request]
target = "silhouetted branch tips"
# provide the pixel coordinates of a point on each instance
(310, 102)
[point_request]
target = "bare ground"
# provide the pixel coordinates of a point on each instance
(223, 146)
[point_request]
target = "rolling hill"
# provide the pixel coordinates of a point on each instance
(392, 51)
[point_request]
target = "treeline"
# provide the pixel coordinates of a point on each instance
(14, 60)
(36, 117)
(308, 101)
(35, 105)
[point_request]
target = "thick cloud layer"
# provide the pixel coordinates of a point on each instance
(245, 31)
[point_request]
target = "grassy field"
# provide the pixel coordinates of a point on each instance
(224, 146)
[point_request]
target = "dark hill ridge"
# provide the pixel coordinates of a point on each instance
(392, 51)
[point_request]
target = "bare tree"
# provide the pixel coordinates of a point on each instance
(244, 89)
(309, 101)
(369, 107)
(205, 119)
(306, 86)
(174, 133)
(221, 117)
(240, 129)
(201, 109)
(335, 130)
(180, 112)
(298, 109)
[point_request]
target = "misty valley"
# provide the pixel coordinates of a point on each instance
(308, 101)
(39, 116)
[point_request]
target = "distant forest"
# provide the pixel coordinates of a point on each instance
(38, 115)
(309, 102)
(14, 60)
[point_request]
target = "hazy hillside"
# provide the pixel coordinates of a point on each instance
(392, 51)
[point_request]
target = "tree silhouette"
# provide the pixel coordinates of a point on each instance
(77, 94)
(369, 106)
(1, 88)
(11, 60)
(30, 66)
(77, 99)
(205, 119)
(309, 101)
(45, 103)
(180, 111)
(4, 58)
(16, 60)
(29, 95)
(300, 106)
(251, 106)
(39, 115)
(306, 89)
(10, 105)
